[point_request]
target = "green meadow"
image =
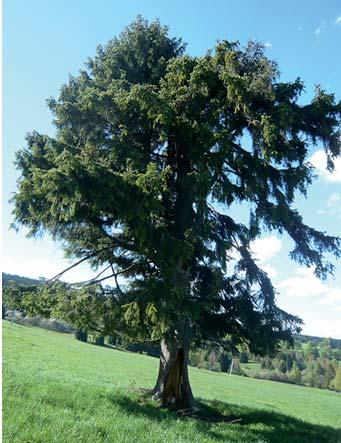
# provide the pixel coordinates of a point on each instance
(56, 389)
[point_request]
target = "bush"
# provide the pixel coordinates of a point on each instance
(224, 361)
(236, 367)
(81, 335)
(99, 341)
(337, 380)
(243, 357)
(275, 375)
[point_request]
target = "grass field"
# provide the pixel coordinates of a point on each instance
(56, 389)
(251, 366)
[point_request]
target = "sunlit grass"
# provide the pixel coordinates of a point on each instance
(57, 389)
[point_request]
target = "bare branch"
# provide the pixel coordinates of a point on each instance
(116, 281)
(56, 277)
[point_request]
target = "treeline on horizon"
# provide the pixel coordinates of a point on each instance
(312, 361)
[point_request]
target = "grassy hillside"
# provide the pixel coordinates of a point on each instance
(56, 389)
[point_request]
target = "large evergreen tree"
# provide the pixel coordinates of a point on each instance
(152, 149)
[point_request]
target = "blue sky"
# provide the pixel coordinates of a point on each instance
(44, 41)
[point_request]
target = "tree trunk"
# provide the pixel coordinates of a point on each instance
(172, 386)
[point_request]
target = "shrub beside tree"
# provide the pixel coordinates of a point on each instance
(81, 335)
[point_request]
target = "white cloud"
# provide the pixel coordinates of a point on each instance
(333, 206)
(262, 249)
(265, 248)
(338, 20)
(270, 270)
(320, 28)
(305, 284)
(323, 328)
(268, 45)
(319, 161)
(333, 296)
(334, 200)
(234, 254)
(302, 284)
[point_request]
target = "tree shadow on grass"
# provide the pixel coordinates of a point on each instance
(216, 420)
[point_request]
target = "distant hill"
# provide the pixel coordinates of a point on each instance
(6, 278)
(333, 342)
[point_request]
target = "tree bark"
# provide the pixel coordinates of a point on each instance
(172, 387)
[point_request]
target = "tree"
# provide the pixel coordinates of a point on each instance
(337, 380)
(153, 150)
(225, 361)
(282, 366)
(243, 357)
(81, 335)
(99, 341)
(294, 376)
(14, 296)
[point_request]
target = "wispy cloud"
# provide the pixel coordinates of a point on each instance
(268, 45)
(334, 201)
(305, 284)
(320, 28)
(270, 270)
(302, 284)
(319, 160)
(333, 206)
(263, 249)
(318, 31)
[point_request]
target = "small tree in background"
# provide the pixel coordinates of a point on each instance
(336, 382)
(243, 357)
(14, 296)
(99, 340)
(225, 362)
(294, 375)
(152, 150)
(81, 335)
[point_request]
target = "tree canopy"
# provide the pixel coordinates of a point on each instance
(153, 147)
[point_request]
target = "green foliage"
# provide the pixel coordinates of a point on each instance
(336, 382)
(243, 357)
(148, 156)
(294, 376)
(14, 296)
(81, 335)
(225, 362)
(99, 341)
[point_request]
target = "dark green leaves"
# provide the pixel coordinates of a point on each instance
(152, 148)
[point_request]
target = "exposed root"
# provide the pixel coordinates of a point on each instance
(145, 395)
